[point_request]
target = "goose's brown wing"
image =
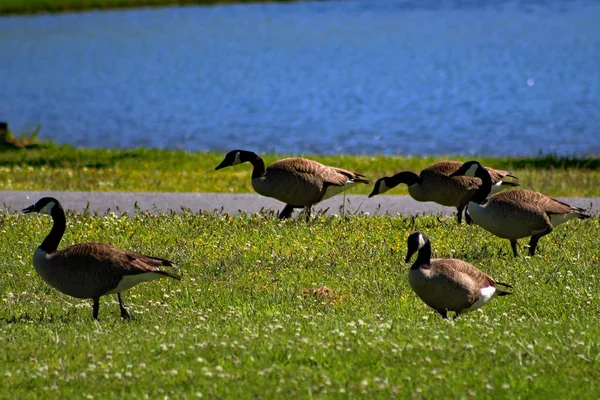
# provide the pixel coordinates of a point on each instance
(446, 167)
(532, 201)
(449, 284)
(498, 174)
(110, 260)
(463, 273)
(314, 172)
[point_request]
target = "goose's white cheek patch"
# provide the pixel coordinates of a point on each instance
(421, 241)
(237, 159)
(47, 209)
(383, 187)
(472, 169)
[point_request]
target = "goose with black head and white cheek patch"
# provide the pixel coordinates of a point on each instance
(518, 213)
(435, 184)
(448, 284)
(90, 270)
(298, 182)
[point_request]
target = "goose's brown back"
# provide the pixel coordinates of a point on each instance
(449, 284)
(93, 269)
(448, 167)
(302, 182)
(518, 213)
(435, 185)
(443, 167)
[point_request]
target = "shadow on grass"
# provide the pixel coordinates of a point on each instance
(66, 157)
(553, 161)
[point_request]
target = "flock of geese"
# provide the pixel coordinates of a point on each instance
(92, 270)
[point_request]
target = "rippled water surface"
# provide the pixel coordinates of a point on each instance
(372, 76)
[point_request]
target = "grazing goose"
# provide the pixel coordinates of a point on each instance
(298, 182)
(448, 284)
(435, 184)
(90, 270)
(515, 214)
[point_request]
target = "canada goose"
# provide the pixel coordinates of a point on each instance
(515, 214)
(90, 270)
(435, 184)
(448, 284)
(298, 182)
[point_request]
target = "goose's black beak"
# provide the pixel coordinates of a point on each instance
(409, 255)
(29, 209)
(222, 165)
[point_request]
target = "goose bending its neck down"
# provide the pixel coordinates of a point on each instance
(448, 284)
(435, 184)
(90, 270)
(518, 213)
(298, 182)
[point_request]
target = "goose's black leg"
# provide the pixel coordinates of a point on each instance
(286, 212)
(124, 313)
(534, 240)
(513, 245)
(95, 307)
(459, 213)
(443, 313)
(308, 210)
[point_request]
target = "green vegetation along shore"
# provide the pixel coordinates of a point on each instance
(66, 168)
(55, 6)
(251, 319)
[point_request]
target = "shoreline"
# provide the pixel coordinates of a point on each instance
(63, 168)
(36, 7)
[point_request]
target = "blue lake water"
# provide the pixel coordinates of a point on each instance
(372, 76)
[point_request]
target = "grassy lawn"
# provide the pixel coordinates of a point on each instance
(65, 168)
(239, 326)
(53, 6)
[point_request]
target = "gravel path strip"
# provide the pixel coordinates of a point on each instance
(121, 202)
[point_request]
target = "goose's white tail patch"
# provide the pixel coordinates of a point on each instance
(557, 219)
(129, 281)
(333, 190)
(486, 294)
(497, 187)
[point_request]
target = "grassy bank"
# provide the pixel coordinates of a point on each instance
(65, 168)
(238, 325)
(55, 6)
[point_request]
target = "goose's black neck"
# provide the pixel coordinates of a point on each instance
(423, 257)
(486, 185)
(258, 164)
(408, 177)
(50, 244)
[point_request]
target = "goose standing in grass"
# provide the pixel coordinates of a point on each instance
(515, 214)
(448, 284)
(298, 182)
(90, 270)
(435, 184)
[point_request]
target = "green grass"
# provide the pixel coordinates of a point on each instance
(54, 6)
(65, 168)
(238, 326)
